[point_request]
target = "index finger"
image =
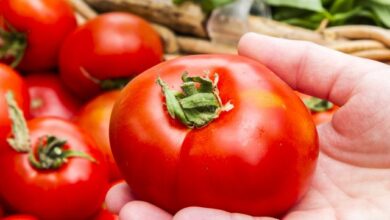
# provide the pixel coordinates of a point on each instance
(307, 67)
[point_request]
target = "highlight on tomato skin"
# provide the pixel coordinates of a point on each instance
(257, 156)
(50, 97)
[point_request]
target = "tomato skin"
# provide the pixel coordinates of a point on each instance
(46, 23)
(11, 81)
(74, 191)
(94, 118)
(258, 158)
(113, 45)
(323, 117)
(49, 97)
(20, 217)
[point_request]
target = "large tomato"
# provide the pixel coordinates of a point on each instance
(94, 117)
(35, 31)
(51, 170)
(49, 97)
(11, 81)
(257, 157)
(107, 51)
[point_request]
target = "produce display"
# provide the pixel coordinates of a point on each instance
(95, 92)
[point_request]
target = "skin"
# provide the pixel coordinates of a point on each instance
(113, 45)
(353, 173)
(26, 189)
(94, 118)
(10, 80)
(49, 97)
(46, 23)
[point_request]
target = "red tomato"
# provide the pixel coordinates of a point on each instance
(47, 183)
(106, 215)
(114, 46)
(11, 81)
(94, 117)
(41, 26)
(20, 217)
(258, 158)
(323, 117)
(321, 110)
(1, 210)
(49, 97)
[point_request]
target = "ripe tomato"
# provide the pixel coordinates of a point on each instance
(20, 217)
(49, 97)
(11, 81)
(35, 31)
(255, 158)
(321, 110)
(1, 210)
(52, 170)
(107, 51)
(94, 118)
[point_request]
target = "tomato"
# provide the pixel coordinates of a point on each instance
(49, 97)
(94, 117)
(52, 170)
(11, 81)
(35, 31)
(322, 110)
(326, 116)
(106, 215)
(20, 217)
(107, 51)
(1, 210)
(255, 155)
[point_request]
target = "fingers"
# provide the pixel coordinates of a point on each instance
(307, 67)
(117, 197)
(138, 210)
(215, 214)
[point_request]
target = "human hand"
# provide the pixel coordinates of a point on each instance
(352, 179)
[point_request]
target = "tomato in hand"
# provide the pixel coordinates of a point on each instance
(51, 169)
(33, 32)
(49, 97)
(107, 51)
(94, 118)
(232, 136)
(11, 81)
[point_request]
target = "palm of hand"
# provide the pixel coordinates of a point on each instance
(352, 180)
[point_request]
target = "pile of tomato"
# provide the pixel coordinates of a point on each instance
(58, 86)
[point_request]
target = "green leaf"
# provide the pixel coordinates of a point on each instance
(383, 13)
(342, 6)
(312, 5)
(382, 2)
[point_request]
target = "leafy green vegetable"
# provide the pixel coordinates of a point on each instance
(309, 14)
(312, 5)
(207, 5)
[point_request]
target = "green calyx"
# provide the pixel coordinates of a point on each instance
(13, 45)
(52, 155)
(317, 104)
(198, 104)
(50, 151)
